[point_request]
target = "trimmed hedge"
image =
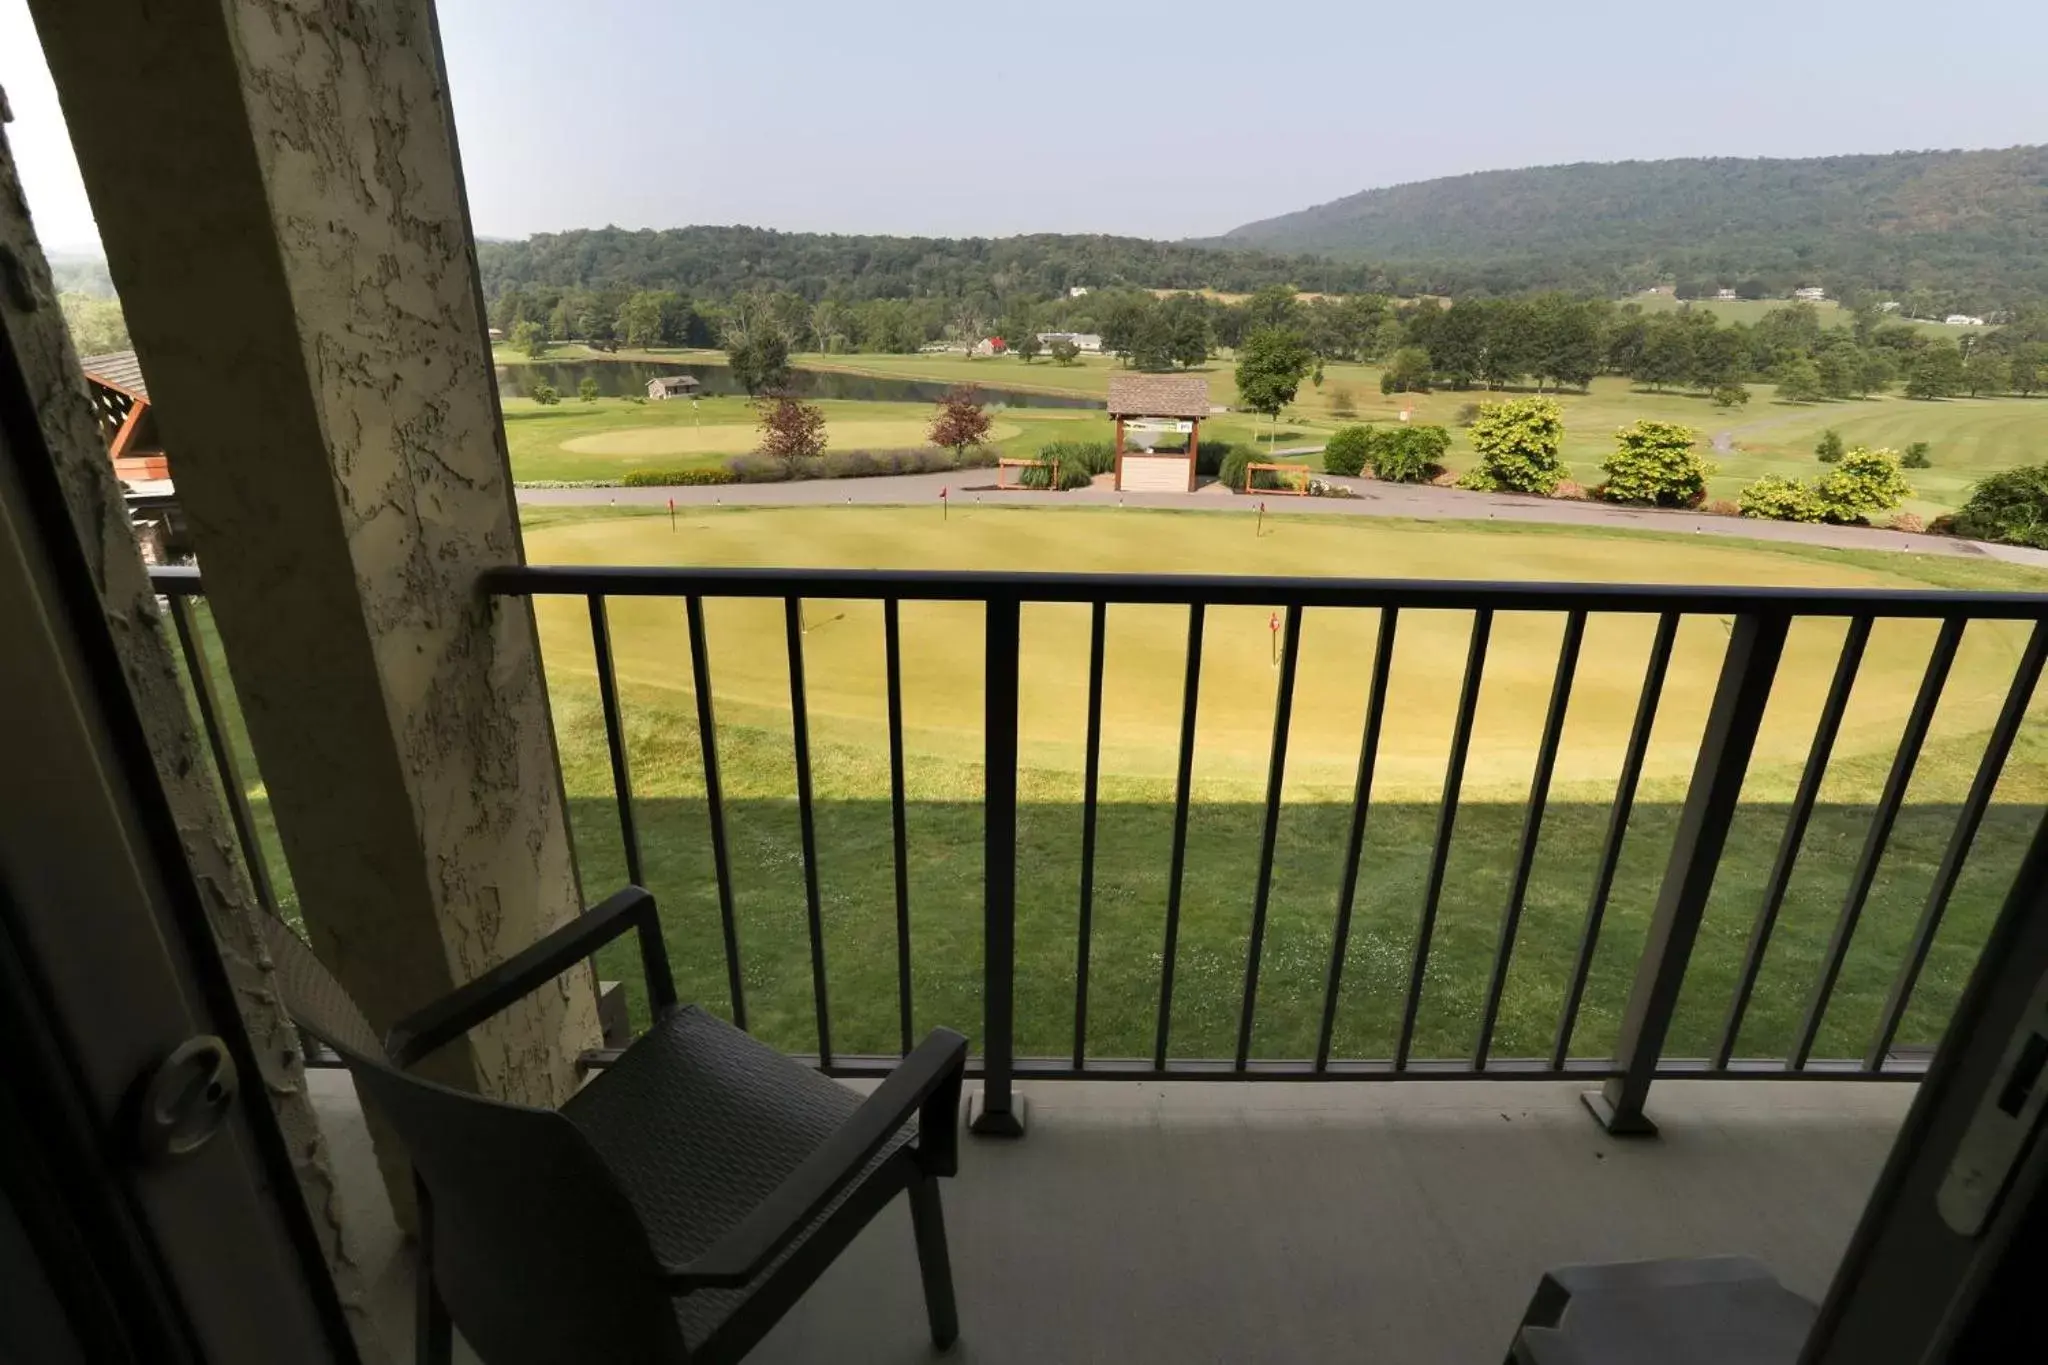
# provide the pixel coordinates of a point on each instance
(676, 478)
(857, 464)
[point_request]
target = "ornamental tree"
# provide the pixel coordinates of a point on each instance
(1518, 443)
(792, 431)
(1656, 463)
(960, 421)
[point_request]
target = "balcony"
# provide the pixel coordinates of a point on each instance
(1159, 1205)
(1199, 1221)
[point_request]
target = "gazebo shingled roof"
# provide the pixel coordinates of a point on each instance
(1158, 395)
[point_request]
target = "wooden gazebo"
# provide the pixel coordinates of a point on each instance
(1171, 403)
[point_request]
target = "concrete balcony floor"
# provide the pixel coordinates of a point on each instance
(1374, 1222)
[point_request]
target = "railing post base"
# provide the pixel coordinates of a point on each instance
(1617, 1122)
(985, 1122)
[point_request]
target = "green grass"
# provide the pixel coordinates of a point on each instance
(941, 705)
(1970, 437)
(942, 701)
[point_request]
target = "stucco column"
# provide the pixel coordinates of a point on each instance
(277, 185)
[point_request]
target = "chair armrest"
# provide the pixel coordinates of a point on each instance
(921, 1084)
(462, 1009)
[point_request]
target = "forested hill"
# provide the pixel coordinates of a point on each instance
(720, 262)
(1970, 226)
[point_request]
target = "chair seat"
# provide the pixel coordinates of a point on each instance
(699, 1123)
(1723, 1310)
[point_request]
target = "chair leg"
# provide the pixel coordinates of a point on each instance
(934, 1262)
(433, 1333)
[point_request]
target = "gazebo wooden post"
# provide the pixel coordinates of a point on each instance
(1194, 452)
(1119, 454)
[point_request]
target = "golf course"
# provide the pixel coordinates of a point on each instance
(612, 436)
(1145, 657)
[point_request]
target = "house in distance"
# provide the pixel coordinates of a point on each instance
(673, 386)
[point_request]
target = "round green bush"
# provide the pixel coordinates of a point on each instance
(2010, 506)
(1518, 443)
(1655, 464)
(1409, 454)
(1772, 498)
(1348, 451)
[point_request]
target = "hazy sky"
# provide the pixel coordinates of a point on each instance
(1161, 118)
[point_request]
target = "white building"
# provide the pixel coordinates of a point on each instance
(1724, 295)
(1813, 293)
(1078, 291)
(1963, 320)
(1087, 342)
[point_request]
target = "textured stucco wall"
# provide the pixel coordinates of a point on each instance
(30, 318)
(277, 186)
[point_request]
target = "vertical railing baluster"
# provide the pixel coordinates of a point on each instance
(714, 808)
(1177, 862)
(1617, 830)
(1354, 848)
(615, 737)
(1950, 869)
(1090, 786)
(1446, 824)
(1889, 800)
(996, 1111)
(800, 728)
(1532, 829)
(892, 649)
(214, 722)
(1269, 834)
(1803, 800)
(1748, 670)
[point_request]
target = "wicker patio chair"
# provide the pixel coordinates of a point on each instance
(672, 1210)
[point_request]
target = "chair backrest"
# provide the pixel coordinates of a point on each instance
(537, 1252)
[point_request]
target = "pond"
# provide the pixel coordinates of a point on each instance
(628, 378)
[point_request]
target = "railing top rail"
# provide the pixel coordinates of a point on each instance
(1249, 590)
(176, 580)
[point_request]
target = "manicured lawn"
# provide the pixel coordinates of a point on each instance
(1971, 437)
(942, 707)
(942, 722)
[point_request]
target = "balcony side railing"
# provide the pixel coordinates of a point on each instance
(1761, 619)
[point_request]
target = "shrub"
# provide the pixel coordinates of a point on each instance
(1862, 484)
(758, 469)
(2009, 506)
(1234, 468)
(1731, 395)
(1722, 507)
(1090, 457)
(1773, 498)
(666, 478)
(1043, 475)
(1830, 449)
(1943, 525)
(1575, 493)
(544, 394)
(1919, 455)
(1409, 454)
(1468, 413)
(1655, 463)
(1343, 402)
(1906, 521)
(588, 390)
(1210, 457)
(1518, 443)
(1349, 450)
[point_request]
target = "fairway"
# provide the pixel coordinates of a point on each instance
(842, 647)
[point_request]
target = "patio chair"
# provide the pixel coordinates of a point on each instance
(1707, 1310)
(673, 1209)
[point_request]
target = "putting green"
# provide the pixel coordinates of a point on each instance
(942, 652)
(734, 439)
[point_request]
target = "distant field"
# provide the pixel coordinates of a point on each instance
(1752, 311)
(1970, 437)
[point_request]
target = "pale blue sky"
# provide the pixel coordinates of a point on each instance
(1163, 118)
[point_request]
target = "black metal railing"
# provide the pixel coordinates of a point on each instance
(1760, 620)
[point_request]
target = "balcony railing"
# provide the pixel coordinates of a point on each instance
(1758, 623)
